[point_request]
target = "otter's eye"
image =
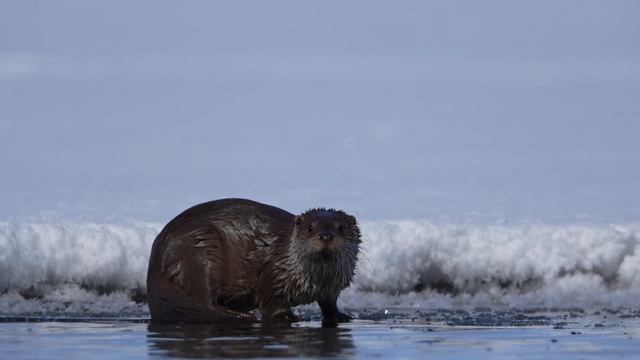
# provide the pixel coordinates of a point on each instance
(310, 228)
(341, 229)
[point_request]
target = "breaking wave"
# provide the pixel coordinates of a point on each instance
(89, 269)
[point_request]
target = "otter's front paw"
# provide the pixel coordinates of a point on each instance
(284, 316)
(332, 321)
(342, 317)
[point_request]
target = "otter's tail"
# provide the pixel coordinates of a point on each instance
(171, 305)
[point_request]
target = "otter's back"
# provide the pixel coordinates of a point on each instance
(203, 252)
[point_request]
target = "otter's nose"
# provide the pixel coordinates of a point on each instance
(326, 237)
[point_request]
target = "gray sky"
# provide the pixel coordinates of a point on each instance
(464, 109)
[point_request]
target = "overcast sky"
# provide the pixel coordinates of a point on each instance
(388, 109)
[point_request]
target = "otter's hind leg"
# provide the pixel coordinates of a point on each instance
(193, 278)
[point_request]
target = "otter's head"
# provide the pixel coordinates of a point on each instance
(327, 239)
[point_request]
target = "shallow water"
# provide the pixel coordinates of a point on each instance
(360, 339)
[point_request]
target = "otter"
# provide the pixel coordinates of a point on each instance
(217, 261)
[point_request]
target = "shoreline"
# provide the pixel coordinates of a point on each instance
(405, 339)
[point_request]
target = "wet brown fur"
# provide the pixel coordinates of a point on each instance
(219, 260)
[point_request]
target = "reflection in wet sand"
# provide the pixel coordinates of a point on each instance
(248, 341)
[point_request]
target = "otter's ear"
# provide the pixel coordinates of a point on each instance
(299, 220)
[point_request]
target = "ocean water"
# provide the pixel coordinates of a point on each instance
(361, 339)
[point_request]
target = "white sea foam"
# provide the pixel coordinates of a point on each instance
(94, 269)
(92, 255)
(533, 265)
